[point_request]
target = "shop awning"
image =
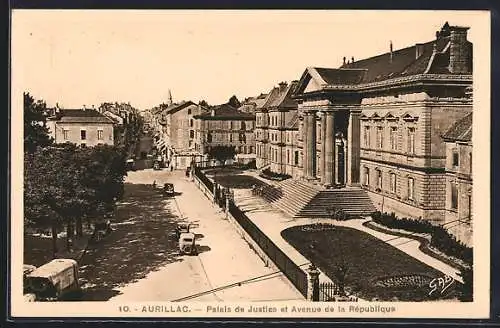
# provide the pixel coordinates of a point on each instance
(161, 144)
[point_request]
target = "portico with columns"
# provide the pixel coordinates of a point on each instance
(329, 131)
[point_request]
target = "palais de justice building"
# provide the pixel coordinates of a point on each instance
(377, 124)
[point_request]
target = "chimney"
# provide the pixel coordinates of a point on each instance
(460, 56)
(212, 112)
(390, 51)
(419, 50)
(352, 59)
(84, 108)
(282, 86)
(344, 60)
(93, 108)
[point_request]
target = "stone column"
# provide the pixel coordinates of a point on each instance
(311, 146)
(312, 283)
(345, 160)
(329, 149)
(353, 148)
(305, 126)
(322, 163)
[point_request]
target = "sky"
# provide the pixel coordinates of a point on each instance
(86, 57)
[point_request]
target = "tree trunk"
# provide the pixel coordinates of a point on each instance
(70, 231)
(54, 239)
(79, 227)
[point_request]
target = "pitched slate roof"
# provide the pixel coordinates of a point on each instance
(283, 98)
(271, 96)
(433, 57)
(225, 112)
(80, 116)
(177, 107)
(460, 131)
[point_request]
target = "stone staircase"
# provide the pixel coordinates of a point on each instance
(290, 196)
(352, 201)
(300, 199)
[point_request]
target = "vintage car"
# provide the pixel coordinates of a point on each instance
(55, 280)
(187, 243)
(168, 189)
(130, 164)
(180, 229)
(30, 297)
(27, 269)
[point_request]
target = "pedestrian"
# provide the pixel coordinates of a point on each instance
(171, 168)
(154, 183)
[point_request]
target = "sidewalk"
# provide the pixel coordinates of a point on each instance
(272, 222)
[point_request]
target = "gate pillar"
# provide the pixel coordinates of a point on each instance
(313, 283)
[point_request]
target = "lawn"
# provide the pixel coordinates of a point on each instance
(372, 264)
(231, 178)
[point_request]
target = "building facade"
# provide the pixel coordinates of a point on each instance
(80, 126)
(277, 131)
(175, 133)
(458, 216)
(377, 123)
(225, 125)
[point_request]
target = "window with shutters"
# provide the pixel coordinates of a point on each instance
(393, 182)
(411, 188)
(380, 137)
(411, 140)
(394, 138)
(366, 136)
(454, 196)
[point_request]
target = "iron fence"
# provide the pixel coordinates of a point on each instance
(291, 270)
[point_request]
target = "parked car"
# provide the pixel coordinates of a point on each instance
(181, 228)
(156, 166)
(55, 280)
(187, 243)
(168, 189)
(27, 269)
(131, 164)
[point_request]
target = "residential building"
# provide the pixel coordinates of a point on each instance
(377, 123)
(175, 137)
(458, 216)
(80, 126)
(277, 131)
(250, 104)
(226, 125)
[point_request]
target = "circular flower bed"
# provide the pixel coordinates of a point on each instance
(403, 281)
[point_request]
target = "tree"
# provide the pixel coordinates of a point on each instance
(66, 183)
(203, 104)
(233, 101)
(466, 289)
(36, 133)
(222, 153)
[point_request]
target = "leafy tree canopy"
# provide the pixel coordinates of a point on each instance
(233, 101)
(222, 153)
(36, 133)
